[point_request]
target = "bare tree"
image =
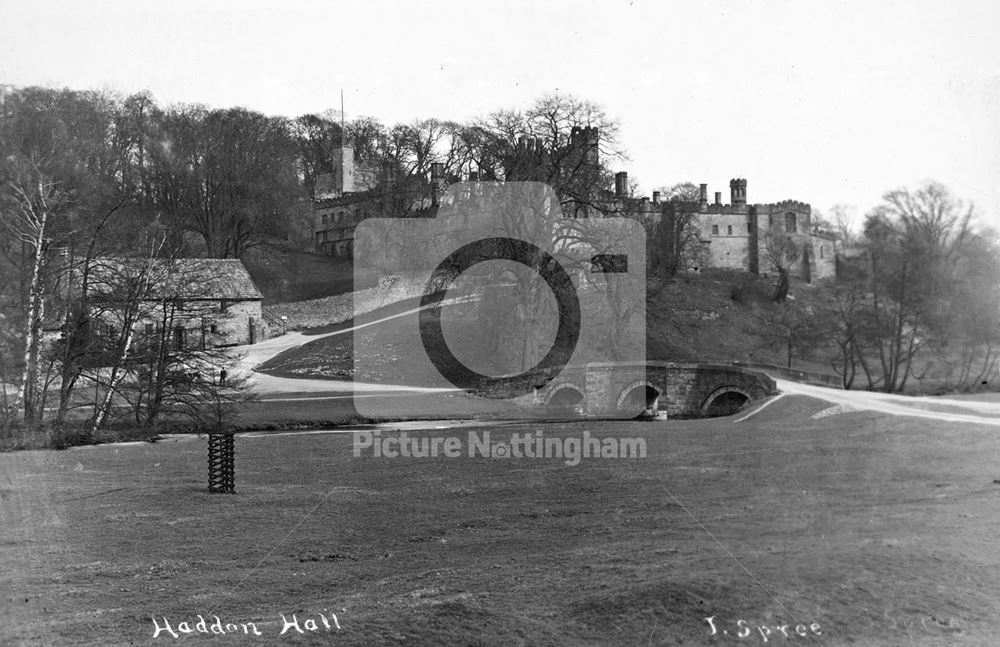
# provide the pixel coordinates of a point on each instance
(148, 312)
(36, 201)
(675, 237)
(849, 327)
(546, 143)
(908, 286)
(125, 292)
(227, 175)
(843, 224)
(781, 252)
(213, 406)
(790, 328)
(974, 305)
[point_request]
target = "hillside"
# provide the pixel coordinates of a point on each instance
(692, 317)
(718, 314)
(283, 273)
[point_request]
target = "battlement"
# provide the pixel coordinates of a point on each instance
(719, 208)
(584, 135)
(533, 146)
(789, 205)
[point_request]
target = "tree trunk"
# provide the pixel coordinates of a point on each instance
(129, 320)
(116, 374)
(781, 290)
(28, 396)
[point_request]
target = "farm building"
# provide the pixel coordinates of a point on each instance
(204, 302)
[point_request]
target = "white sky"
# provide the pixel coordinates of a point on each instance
(832, 102)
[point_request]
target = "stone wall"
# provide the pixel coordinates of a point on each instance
(319, 312)
(686, 386)
(197, 318)
(731, 252)
(824, 258)
(233, 325)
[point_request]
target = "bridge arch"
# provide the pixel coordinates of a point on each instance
(724, 401)
(650, 396)
(565, 398)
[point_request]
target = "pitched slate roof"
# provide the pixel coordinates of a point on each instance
(183, 278)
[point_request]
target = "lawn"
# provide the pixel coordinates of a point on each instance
(855, 529)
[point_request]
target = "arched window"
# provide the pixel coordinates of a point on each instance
(715, 230)
(789, 223)
(729, 230)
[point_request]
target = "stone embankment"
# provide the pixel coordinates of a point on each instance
(327, 310)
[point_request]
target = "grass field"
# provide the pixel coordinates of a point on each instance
(880, 530)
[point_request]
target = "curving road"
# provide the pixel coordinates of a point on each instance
(936, 408)
(256, 354)
(983, 412)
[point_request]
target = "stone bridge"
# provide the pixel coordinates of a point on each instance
(681, 390)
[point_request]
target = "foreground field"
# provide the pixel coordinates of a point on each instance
(857, 528)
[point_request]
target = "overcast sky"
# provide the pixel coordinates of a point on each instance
(832, 102)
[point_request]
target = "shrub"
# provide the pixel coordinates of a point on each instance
(70, 436)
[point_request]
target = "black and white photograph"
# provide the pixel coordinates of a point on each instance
(611, 322)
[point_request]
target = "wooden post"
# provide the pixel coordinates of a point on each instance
(221, 463)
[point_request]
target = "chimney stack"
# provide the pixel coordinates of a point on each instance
(703, 194)
(621, 184)
(718, 197)
(656, 197)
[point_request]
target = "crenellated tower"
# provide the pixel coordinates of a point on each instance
(585, 142)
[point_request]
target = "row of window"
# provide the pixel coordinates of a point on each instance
(729, 230)
(150, 328)
(178, 336)
(333, 217)
(790, 226)
(340, 216)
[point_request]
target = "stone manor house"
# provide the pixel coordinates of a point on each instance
(732, 235)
